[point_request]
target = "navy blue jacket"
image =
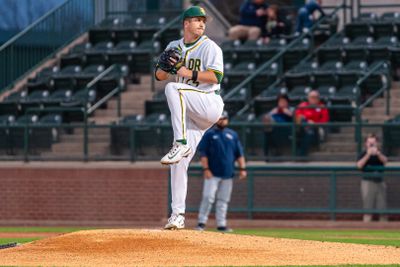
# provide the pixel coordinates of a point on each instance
(312, 6)
(222, 148)
(248, 15)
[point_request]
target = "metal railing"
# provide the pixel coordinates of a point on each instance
(42, 39)
(149, 141)
(324, 200)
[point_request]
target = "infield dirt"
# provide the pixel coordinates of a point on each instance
(188, 248)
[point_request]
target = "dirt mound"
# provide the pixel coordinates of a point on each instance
(178, 248)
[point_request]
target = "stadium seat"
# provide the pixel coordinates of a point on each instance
(75, 56)
(97, 54)
(390, 16)
(123, 53)
(236, 102)
(326, 84)
(295, 81)
(157, 105)
(332, 66)
(267, 99)
(251, 136)
(356, 66)
(357, 29)
(373, 83)
(329, 54)
(86, 75)
(42, 81)
(148, 140)
(65, 78)
(383, 29)
(355, 53)
(296, 54)
(58, 96)
(367, 17)
(308, 66)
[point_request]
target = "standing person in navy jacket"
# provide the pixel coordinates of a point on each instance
(305, 15)
(253, 17)
(219, 149)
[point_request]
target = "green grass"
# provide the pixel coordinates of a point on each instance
(34, 230)
(17, 240)
(372, 237)
(42, 229)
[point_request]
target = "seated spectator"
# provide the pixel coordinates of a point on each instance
(305, 15)
(283, 113)
(373, 187)
(252, 21)
(276, 25)
(311, 111)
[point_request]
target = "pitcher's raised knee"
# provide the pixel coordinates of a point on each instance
(171, 88)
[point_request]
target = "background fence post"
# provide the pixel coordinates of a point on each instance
(250, 194)
(332, 195)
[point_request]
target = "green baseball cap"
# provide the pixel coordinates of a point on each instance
(194, 11)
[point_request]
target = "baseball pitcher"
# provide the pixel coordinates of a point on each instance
(193, 100)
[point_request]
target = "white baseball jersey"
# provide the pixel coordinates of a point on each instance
(202, 55)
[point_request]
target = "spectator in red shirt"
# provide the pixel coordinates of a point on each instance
(316, 113)
(312, 111)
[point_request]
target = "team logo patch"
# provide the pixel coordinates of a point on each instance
(215, 136)
(202, 11)
(229, 136)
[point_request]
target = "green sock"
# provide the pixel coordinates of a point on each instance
(182, 141)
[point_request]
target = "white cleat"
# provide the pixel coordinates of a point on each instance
(177, 152)
(175, 222)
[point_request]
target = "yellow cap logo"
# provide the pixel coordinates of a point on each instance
(202, 11)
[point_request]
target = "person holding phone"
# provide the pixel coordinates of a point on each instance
(373, 187)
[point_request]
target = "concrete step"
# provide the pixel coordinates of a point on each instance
(376, 118)
(394, 93)
(381, 110)
(96, 131)
(345, 138)
(381, 102)
(342, 156)
(104, 120)
(145, 79)
(137, 89)
(66, 148)
(136, 104)
(395, 85)
(78, 138)
(338, 147)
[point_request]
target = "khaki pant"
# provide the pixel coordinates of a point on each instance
(244, 32)
(373, 197)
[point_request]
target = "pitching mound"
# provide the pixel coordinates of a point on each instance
(178, 248)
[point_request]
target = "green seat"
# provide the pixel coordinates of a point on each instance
(294, 80)
(357, 29)
(383, 29)
(329, 54)
(355, 53)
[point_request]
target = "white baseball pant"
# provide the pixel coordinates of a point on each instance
(193, 111)
(218, 188)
